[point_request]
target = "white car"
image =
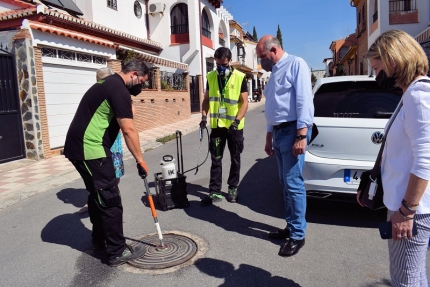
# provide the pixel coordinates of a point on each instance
(350, 113)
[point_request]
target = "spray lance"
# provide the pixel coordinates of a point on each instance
(162, 246)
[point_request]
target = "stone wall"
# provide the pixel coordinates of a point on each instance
(28, 95)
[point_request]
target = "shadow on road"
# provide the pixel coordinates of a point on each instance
(260, 191)
(245, 275)
(216, 215)
(68, 229)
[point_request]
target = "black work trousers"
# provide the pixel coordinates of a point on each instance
(218, 138)
(104, 204)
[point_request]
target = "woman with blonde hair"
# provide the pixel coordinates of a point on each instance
(398, 60)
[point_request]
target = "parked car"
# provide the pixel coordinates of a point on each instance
(350, 113)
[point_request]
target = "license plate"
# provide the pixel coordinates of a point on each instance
(352, 176)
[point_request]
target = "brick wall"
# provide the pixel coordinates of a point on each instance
(157, 108)
(42, 101)
(115, 65)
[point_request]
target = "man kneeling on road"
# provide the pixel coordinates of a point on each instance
(104, 109)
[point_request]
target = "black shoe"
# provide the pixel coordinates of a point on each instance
(291, 247)
(130, 253)
(209, 199)
(280, 234)
(232, 194)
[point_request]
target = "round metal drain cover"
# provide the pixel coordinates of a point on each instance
(179, 250)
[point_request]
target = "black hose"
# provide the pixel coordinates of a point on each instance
(207, 155)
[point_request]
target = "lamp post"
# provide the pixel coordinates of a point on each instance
(349, 65)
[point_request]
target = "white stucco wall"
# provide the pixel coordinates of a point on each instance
(61, 42)
(5, 7)
(122, 19)
(413, 29)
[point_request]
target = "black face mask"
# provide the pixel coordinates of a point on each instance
(134, 90)
(267, 64)
(386, 82)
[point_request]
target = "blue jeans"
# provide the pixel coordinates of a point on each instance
(290, 174)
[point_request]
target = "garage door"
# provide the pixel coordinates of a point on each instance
(64, 88)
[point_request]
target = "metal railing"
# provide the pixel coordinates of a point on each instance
(206, 33)
(179, 29)
(172, 81)
(150, 83)
(402, 5)
(375, 16)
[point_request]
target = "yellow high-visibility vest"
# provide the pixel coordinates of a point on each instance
(231, 100)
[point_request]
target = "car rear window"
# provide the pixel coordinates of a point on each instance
(355, 100)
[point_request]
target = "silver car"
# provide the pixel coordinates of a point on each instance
(350, 113)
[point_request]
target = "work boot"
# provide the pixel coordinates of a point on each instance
(129, 253)
(210, 198)
(232, 194)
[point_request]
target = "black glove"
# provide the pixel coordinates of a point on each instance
(233, 127)
(203, 123)
(142, 169)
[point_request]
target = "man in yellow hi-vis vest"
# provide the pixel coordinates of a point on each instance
(226, 100)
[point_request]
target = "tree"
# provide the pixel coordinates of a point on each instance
(313, 79)
(279, 36)
(254, 34)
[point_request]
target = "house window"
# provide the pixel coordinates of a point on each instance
(179, 19)
(48, 52)
(402, 5)
(112, 4)
(209, 66)
(375, 15)
(83, 57)
(206, 26)
(342, 52)
(72, 56)
(67, 55)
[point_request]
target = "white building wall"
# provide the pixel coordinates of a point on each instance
(412, 29)
(6, 6)
(122, 19)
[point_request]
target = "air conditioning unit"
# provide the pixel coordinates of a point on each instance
(157, 8)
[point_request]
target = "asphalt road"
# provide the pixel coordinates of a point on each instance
(43, 240)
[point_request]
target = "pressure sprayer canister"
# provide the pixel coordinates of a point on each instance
(168, 169)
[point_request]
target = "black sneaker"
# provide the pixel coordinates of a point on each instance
(209, 199)
(130, 253)
(232, 194)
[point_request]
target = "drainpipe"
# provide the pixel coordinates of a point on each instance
(148, 34)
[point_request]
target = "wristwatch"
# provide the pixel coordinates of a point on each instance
(300, 137)
(237, 121)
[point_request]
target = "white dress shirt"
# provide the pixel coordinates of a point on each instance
(407, 148)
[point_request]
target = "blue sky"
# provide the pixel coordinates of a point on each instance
(308, 26)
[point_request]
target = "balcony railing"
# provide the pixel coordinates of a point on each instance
(402, 5)
(375, 17)
(221, 42)
(179, 29)
(206, 33)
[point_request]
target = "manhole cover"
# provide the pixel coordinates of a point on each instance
(179, 249)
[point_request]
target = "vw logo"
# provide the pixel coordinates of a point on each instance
(377, 137)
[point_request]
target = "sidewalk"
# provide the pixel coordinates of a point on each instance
(24, 178)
